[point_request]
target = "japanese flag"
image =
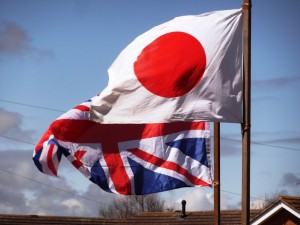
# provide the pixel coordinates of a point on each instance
(187, 69)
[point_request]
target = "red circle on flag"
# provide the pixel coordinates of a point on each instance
(171, 65)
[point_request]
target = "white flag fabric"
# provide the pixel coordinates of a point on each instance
(187, 69)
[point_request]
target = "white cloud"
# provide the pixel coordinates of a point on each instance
(74, 206)
(197, 200)
(25, 190)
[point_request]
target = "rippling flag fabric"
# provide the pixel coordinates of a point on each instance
(187, 69)
(128, 159)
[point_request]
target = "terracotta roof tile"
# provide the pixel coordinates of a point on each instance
(162, 218)
(292, 201)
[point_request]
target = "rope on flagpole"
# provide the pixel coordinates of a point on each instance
(245, 127)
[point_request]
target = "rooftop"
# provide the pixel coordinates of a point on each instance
(228, 217)
(231, 217)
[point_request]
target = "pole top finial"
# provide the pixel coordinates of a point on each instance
(247, 4)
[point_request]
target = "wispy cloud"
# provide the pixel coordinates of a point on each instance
(230, 146)
(15, 41)
(273, 84)
(263, 99)
(11, 126)
(290, 179)
(265, 90)
(288, 140)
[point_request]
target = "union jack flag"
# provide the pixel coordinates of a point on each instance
(128, 159)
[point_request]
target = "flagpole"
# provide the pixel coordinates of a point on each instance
(246, 114)
(216, 173)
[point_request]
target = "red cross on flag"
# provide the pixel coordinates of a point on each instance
(128, 158)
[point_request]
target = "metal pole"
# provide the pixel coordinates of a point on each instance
(246, 114)
(216, 173)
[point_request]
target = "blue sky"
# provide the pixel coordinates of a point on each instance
(55, 54)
